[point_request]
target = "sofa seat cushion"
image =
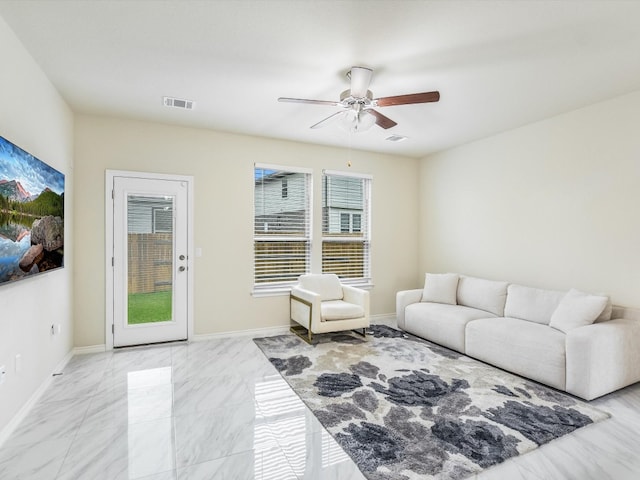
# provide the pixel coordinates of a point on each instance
(526, 348)
(340, 310)
(486, 295)
(441, 323)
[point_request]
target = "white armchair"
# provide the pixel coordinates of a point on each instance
(321, 304)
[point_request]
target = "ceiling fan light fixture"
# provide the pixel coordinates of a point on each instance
(355, 121)
(396, 138)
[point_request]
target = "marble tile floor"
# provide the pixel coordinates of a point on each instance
(217, 409)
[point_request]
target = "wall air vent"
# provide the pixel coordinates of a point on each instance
(396, 138)
(178, 103)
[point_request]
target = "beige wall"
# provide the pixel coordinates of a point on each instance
(222, 165)
(34, 117)
(552, 204)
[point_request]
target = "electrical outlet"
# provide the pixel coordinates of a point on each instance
(3, 373)
(53, 329)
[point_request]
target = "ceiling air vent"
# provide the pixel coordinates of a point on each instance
(178, 103)
(396, 138)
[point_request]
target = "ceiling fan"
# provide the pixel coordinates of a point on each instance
(358, 105)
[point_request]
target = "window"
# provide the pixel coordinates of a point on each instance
(282, 233)
(356, 221)
(345, 226)
(350, 222)
(345, 222)
(163, 219)
(147, 214)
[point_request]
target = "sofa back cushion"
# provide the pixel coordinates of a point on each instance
(482, 294)
(577, 309)
(607, 313)
(533, 304)
(327, 285)
(440, 288)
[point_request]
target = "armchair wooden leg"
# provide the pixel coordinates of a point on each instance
(304, 333)
(363, 333)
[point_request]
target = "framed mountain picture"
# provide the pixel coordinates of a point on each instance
(31, 215)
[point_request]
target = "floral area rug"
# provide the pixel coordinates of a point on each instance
(404, 408)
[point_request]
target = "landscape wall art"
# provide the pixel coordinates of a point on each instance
(31, 215)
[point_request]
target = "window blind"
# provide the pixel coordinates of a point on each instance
(346, 226)
(282, 226)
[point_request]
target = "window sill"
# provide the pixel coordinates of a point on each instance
(271, 292)
(285, 291)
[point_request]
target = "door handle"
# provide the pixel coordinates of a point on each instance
(182, 268)
(181, 257)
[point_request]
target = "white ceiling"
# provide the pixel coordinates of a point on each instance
(497, 64)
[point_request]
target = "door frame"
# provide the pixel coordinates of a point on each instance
(109, 246)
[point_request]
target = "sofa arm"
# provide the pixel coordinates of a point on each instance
(603, 357)
(306, 309)
(357, 296)
(403, 299)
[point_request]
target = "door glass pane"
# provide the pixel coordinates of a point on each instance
(150, 223)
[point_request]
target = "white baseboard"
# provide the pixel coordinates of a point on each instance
(90, 349)
(6, 432)
(383, 318)
(254, 332)
(270, 331)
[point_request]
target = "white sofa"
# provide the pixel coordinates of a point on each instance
(571, 341)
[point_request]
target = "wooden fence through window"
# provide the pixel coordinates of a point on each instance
(150, 260)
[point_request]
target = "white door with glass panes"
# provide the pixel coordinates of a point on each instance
(150, 260)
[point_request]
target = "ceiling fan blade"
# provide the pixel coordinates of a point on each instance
(382, 120)
(304, 100)
(360, 80)
(328, 120)
(425, 97)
